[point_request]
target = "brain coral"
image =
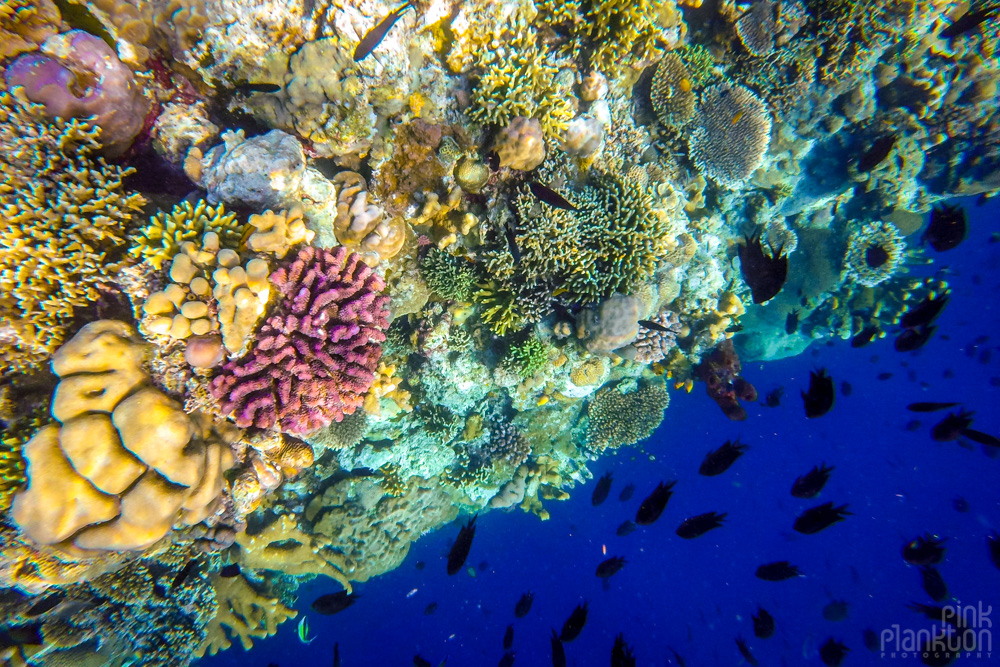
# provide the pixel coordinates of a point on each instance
(64, 216)
(316, 354)
(874, 252)
(732, 134)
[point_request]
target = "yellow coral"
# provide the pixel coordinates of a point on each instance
(162, 238)
(248, 614)
(26, 24)
(276, 233)
(64, 214)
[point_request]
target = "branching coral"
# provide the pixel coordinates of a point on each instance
(672, 92)
(447, 275)
(517, 80)
(12, 441)
(874, 252)
(618, 418)
(161, 239)
(732, 134)
(527, 358)
(505, 444)
(246, 613)
(653, 344)
(64, 217)
(315, 356)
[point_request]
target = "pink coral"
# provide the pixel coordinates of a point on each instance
(315, 356)
(83, 78)
(653, 344)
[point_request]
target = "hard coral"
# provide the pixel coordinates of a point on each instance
(527, 358)
(361, 224)
(83, 78)
(720, 371)
(520, 144)
(653, 344)
(245, 612)
(672, 92)
(618, 417)
(25, 24)
(732, 134)
(276, 233)
(874, 252)
(65, 215)
(260, 172)
(315, 356)
(506, 444)
(447, 275)
(161, 240)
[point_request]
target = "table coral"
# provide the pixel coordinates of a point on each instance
(247, 614)
(65, 214)
(618, 417)
(110, 100)
(131, 460)
(732, 132)
(160, 241)
(315, 356)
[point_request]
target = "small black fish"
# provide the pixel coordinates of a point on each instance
(627, 492)
(515, 252)
(923, 406)
(985, 357)
(933, 583)
(649, 324)
(993, 545)
(981, 438)
(334, 603)
(718, 460)
(777, 571)
(968, 21)
(773, 398)
(792, 322)
(846, 389)
(818, 518)
(621, 653)
(420, 661)
(865, 336)
(558, 653)
(601, 490)
(45, 605)
(913, 339)
(924, 550)
(430, 609)
(819, 399)
(610, 567)
(183, 574)
(366, 472)
(627, 528)
(549, 196)
(159, 591)
(677, 658)
(741, 644)
(230, 571)
(507, 660)
(913, 425)
(763, 624)
(493, 160)
(877, 153)
(697, 526)
(460, 549)
(883, 376)
(420, 565)
(652, 507)
(573, 626)
(836, 610)
(960, 504)
(951, 427)
(765, 275)
(248, 88)
(930, 612)
(523, 605)
(832, 652)
(376, 34)
(508, 637)
(336, 655)
(924, 312)
(810, 484)
(871, 640)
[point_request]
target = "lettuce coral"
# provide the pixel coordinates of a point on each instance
(316, 354)
(65, 213)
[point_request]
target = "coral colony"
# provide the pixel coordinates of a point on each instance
(236, 260)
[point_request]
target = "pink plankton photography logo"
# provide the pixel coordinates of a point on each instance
(965, 632)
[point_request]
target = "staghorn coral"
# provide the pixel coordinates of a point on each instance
(653, 345)
(516, 79)
(64, 219)
(618, 417)
(25, 24)
(448, 276)
(124, 463)
(672, 92)
(874, 252)
(161, 240)
(246, 613)
(276, 233)
(732, 132)
(315, 355)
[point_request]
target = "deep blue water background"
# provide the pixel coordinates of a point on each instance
(697, 595)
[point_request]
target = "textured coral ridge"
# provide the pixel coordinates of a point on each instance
(315, 356)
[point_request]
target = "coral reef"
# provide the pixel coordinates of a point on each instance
(732, 132)
(447, 275)
(874, 252)
(276, 233)
(65, 215)
(160, 241)
(242, 614)
(362, 225)
(520, 144)
(672, 92)
(618, 417)
(720, 371)
(25, 25)
(263, 172)
(654, 344)
(315, 355)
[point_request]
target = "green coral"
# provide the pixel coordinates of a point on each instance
(611, 243)
(64, 214)
(447, 275)
(501, 311)
(618, 417)
(700, 65)
(161, 239)
(527, 358)
(518, 80)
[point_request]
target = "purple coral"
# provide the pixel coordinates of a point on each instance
(652, 345)
(85, 79)
(315, 356)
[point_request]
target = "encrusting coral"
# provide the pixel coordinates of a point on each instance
(315, 356)
(65, 214)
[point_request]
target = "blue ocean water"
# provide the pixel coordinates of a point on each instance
(696, 596)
